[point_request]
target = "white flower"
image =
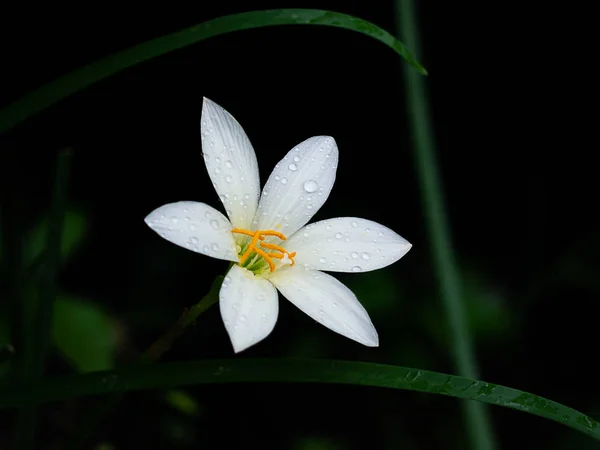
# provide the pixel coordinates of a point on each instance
(266, 238)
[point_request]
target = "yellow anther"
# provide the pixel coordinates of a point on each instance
(260, 235)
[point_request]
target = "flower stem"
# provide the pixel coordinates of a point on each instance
(476, 414)
(189, 316)
(152, 354)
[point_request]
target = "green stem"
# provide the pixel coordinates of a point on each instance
(152, 354)
(38, 308)
(476, 415)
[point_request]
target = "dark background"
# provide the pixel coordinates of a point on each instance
(518, 180)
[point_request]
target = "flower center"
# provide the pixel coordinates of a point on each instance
(258, 237)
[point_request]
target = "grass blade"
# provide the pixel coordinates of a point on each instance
(38, 312)
(55, 91)
(477, 417)
(247, 370)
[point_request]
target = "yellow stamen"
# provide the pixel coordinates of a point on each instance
(260, 235)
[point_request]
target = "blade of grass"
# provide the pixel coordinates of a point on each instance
(476, 415)
(250, 370)
(55, 91)
(38, 313)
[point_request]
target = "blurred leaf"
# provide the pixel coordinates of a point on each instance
(74, 230)
(248, 370)
(84, 334)
(487, 312)
(317, 443)
(378, 292)
(183, 402)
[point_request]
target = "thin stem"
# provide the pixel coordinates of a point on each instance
(152, 354)
(38, 307)
(476, 414)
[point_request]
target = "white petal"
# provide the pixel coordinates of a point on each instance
(298, 186)
(327, 301)
(346, 244)
(195, 226)
(231, 163)
(249, 307)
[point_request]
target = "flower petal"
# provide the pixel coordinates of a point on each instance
(298, 186)
(195, 226)
(346, 244)
(249, 307)
(327, 301)
(231, 163)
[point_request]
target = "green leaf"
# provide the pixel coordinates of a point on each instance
(183, 402)
(55, 91)
(84, 334)
(73, 233)
(247, 370)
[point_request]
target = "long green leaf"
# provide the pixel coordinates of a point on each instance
(169, 375)
(55, 91)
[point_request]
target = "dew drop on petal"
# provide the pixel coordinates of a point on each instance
(311, 186)
(356, 269)
(284, 180)
(365, 256)
(293, 167)
(192, 227)
(194, 240)
(354, 224)
(214, 246)
(354, 255)
(228, 164)
(296, 158)
(322, 260)
(228, 178)
(207, 214)
(338, 235)
(214, 224)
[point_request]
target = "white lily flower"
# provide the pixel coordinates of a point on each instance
(266, 237)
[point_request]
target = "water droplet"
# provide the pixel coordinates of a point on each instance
(365, 256)
(205, 248)
(218, 160)
(296, 158)
(328, 227)
(217, 170)
(214, 224)
(228, 178)
(214, 246)
(356, 269)
(380, 234)
(174, 219)
(311, 186)
(260, 297)
(354, 255)
(185, 210)
(277, 177)
(284, 180)
(187, 219)
(212, 143)
(338, 235)
(293, 167)
(242, 318)
(322, 260)
(192, 226)
(354, 224)
(207, 214)
(194, 240)
(228, 164)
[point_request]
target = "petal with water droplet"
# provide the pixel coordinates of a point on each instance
(327, 301)
(249, 307)
(292, 196)
(195, 226)
(231, 163)
(346, 244)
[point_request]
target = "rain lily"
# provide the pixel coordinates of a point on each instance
(267, 239)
